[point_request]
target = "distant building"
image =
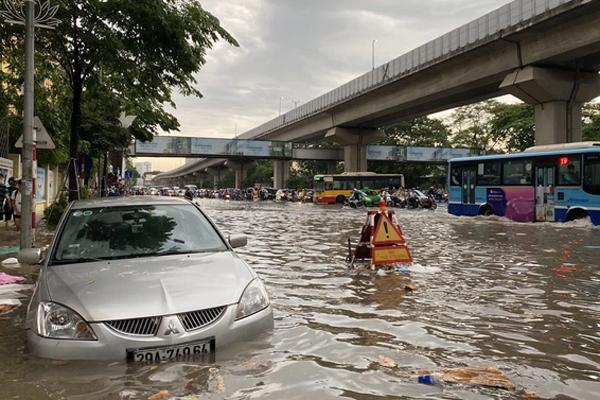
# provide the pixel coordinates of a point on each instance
(143, 167)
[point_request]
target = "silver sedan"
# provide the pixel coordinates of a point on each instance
(142, 279)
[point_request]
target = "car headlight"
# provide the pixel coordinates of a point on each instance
(253, 300)
(58, 322)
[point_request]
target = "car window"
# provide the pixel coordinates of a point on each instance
(136, 231)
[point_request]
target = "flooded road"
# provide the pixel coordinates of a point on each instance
(523, 298)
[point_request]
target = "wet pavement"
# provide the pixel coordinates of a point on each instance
(523, 298)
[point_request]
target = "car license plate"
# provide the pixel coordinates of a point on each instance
(203, 349)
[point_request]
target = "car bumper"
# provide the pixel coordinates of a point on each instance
(112, 345)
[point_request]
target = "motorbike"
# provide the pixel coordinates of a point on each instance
(417, 199)
(363, 198)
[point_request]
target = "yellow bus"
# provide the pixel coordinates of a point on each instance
(331, 189)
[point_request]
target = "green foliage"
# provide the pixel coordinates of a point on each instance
(53, 213)
(512, 125)
(472, 125)
(420, 131)
(262, 173)
(591, 122)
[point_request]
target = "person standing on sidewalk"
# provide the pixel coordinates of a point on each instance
(4, 199)
(16, 204)
(8, 209)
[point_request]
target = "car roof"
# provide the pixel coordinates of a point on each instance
(118, 201)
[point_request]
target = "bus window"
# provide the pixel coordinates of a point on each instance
(569, 171)
(456, 176)
(488, 174)
(591, 177)
(516, 172)
(328, 185)
(319, 186)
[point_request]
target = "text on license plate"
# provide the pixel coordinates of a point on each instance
(203, 348)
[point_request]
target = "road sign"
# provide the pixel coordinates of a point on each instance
(42, 140)
(387, 232)
(390, 255)
(128, 174)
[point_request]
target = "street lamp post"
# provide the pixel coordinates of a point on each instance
(373, 54)
(24, 13)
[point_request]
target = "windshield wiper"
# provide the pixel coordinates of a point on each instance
(78, 260)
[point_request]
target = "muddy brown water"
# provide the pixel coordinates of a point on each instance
(523, 298)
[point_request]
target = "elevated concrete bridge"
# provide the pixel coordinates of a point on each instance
(545, 52)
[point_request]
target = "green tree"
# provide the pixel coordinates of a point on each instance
(420, 131)
(472, 126)
(512, 125)
(142, 51)
(591, 122)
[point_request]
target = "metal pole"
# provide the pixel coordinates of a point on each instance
(27, 153)
(373, 54)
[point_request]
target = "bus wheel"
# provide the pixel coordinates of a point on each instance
(576, 213)
(486, 211)
(340, 199)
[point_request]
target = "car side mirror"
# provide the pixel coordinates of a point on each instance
(238, 241)
(30, 256)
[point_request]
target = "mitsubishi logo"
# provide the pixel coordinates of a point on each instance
(171, 329)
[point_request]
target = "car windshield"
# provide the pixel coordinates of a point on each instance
(134, 231)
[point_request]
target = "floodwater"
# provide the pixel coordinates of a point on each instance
(523, 298)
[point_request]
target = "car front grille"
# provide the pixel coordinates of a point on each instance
(198, 319)
(137, 326)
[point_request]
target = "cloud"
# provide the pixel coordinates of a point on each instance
(297, 50)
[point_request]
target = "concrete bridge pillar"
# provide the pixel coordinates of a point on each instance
(281, 173)
(240, 168)
(355, 143)
(558, 97)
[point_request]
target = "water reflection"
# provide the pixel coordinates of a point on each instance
(520, 297)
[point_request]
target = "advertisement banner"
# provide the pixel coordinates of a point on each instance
(386, 153)
(40, 184)
(430, 154)
(208, 147)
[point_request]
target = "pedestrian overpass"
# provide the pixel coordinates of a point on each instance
(239, 154)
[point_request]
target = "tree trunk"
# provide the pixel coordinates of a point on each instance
(104, 170)
(74, 142)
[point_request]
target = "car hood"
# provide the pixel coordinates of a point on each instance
(148, 286)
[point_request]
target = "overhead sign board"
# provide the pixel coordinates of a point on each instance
(42, 138)
(416, 154)
(207, 147)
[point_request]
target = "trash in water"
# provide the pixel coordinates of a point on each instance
(6, 279)
(163, 394)
(10, 261)
(489, 377)
(4, 308)
(387, 362)
(430, 379)
(409, 287)
(402, 270)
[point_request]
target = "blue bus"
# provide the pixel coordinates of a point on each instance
(544, 183)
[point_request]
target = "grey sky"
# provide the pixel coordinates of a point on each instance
(299, 49)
